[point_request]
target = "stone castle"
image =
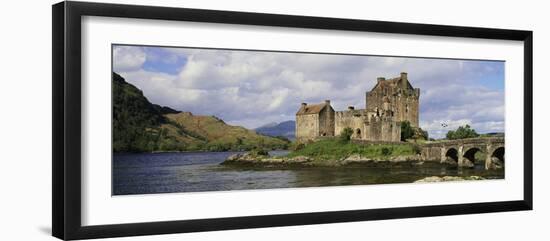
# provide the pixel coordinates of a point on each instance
(390, 102)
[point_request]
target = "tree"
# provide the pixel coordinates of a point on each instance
(420, 134)
(462, 132)
(407, 131)
(345, 135)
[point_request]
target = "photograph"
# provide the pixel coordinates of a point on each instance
(191, 119)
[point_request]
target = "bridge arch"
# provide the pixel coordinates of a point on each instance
(496, 159)
(499, 153)
(451, 154)
(470, 156)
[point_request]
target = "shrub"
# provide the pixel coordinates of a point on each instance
(258, 152)
(407, 130)
(386, 151)
(298, 146)
(462, 132)
(345, 135)
(421, 134)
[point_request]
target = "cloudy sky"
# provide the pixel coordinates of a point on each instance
(253, 88)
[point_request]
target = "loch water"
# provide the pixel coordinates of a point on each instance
(147, 173)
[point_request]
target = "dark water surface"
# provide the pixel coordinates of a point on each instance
(200, 171)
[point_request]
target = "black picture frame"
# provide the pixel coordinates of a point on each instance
(66, 127)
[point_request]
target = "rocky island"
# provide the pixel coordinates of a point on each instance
(334, 153)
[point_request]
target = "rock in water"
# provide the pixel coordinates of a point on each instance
(450, 161)
(448, 179)
(496, 163)
(244, 157)
(467, 163)
(234, 157)
(299, 159)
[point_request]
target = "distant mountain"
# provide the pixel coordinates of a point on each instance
(140, 126)
(268, 125)
(286, 129)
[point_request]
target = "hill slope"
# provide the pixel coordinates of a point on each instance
(221, 136)
(140, 126)
(286, 129)
(134, 118)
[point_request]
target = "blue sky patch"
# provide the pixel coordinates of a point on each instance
(161, 60)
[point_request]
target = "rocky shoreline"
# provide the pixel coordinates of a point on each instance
(354, 159)
(448, 179)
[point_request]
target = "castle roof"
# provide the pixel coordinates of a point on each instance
(393, 82)
(311, 109)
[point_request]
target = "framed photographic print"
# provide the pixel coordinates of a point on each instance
(169, 120)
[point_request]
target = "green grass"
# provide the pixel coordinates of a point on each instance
(336, 150)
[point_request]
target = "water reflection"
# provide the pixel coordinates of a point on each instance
(200, 171)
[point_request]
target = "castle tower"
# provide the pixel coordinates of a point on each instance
(396, 95)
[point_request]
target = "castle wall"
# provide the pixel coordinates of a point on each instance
(382, 129)
(406, 108)
(395, 133)
(326, 122)
(353, 119)
(307, 127)
(372, 128)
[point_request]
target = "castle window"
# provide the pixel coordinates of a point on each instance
(406, 108)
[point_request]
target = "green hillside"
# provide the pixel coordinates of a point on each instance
(135, 119)
(140, 126)
(221, 136)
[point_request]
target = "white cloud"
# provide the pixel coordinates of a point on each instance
(128, 58)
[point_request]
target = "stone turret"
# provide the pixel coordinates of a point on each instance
(404, 80)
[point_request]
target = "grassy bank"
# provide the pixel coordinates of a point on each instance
(335, 150)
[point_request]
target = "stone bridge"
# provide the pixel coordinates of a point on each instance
(463, 151)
